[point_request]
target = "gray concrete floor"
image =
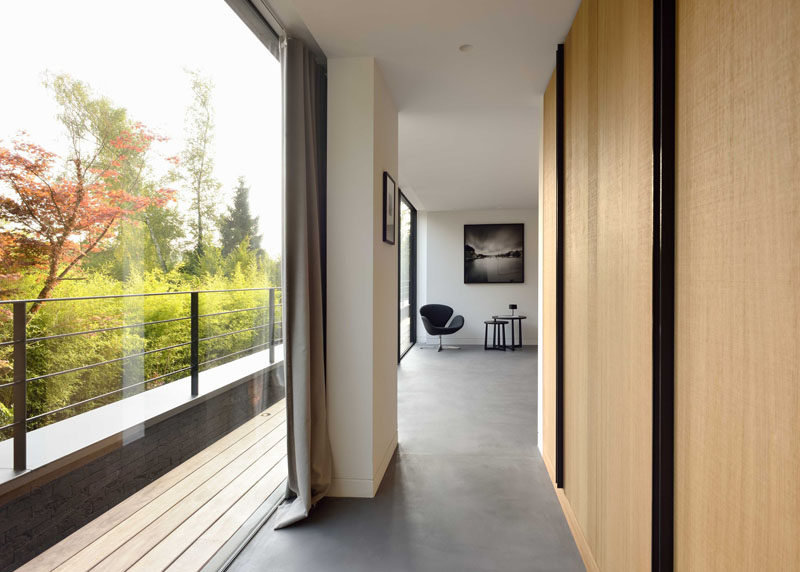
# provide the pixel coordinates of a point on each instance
(466, 491)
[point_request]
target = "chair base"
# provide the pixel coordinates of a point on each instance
(439, 347)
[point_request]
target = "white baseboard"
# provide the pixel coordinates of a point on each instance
(364, 488)
(387, 456)
(352, 488)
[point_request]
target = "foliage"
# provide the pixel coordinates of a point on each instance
(238, 225)
(77, 316)
(100, 222)
(65, 214)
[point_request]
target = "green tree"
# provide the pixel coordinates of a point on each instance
(238, 225)
(73, 211)
(197, 164)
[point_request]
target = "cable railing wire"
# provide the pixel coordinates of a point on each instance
(217, 336)
(21, 342)
(250, 349)
(129, 326)
(106, 362)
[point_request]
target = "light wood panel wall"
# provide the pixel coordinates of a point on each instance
(547, 202)
(580, 268)
(624, 282)
(608, 102)
(737, 493)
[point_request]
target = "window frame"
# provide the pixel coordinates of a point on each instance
(412, 290)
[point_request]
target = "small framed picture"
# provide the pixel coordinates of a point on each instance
(389, 207)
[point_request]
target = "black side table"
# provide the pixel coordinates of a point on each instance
(519, 319)
(498, 329)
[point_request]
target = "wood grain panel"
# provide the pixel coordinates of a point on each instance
(737, 384)
(608, 281)
(624, 282)
(580, 254)
(547, 202)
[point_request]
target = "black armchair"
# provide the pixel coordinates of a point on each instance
(435, 318)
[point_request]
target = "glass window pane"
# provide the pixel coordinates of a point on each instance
(140, 178)
(407, 310)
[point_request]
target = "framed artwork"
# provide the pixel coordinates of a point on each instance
(494, 253)
(389, 208)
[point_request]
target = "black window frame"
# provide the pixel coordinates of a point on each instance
(412, 290)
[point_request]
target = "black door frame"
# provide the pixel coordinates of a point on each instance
(664, 139)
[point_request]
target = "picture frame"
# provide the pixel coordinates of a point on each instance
(494, 253)
(389, 208)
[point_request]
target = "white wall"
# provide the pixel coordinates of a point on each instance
(385, 299)
(362, 278)
(442, 265)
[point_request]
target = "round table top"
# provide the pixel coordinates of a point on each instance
(494, 321)
(516, 317)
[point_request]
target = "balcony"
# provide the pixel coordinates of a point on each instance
(207, 436)
(192, 514)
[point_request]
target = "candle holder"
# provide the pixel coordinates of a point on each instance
(512, 307)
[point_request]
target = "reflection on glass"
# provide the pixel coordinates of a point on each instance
(140, 216)
(405, 278)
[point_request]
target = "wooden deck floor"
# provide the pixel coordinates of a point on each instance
(181, 520)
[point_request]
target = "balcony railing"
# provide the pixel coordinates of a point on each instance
(21, 342)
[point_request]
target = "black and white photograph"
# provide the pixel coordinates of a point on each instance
(389, 201)
(494, 253)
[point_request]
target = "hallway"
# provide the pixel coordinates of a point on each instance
(466, 491)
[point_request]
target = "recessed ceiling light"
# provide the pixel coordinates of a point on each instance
(465, 47)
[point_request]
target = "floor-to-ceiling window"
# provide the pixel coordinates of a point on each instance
(140, 271)
(407, 276)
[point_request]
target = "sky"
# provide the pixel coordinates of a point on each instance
(135, 53)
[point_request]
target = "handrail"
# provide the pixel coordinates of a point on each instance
(20, 343)
(128, 326)
(142, 295)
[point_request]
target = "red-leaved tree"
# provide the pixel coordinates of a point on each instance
(55, 218)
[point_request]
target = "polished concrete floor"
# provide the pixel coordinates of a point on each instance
(466, 491)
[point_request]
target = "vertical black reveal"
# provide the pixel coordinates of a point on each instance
(664, 37)
(560, 266)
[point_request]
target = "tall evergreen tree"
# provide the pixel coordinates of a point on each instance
(238, 224)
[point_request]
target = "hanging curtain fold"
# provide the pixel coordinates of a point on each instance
(309, 450)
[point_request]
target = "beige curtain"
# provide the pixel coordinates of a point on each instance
(309, 451)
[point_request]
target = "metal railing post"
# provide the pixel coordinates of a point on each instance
(272, 325)
(20, 393)
(195, 342)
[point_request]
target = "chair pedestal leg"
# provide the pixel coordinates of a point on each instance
(446, 347)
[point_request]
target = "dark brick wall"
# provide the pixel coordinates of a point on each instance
(34, 522)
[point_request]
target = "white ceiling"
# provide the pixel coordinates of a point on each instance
(468, 122)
